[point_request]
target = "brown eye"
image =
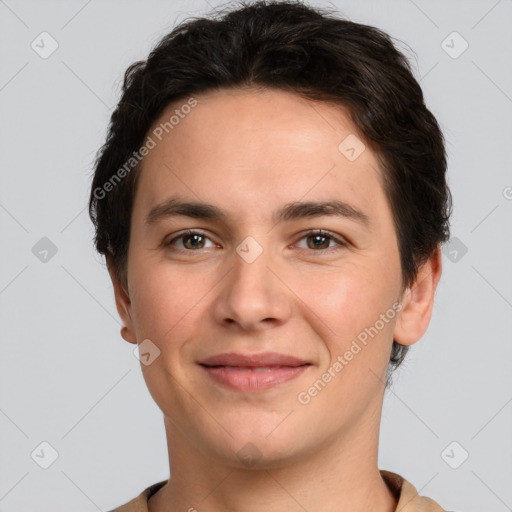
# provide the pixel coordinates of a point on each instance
(189, 241)
(319, 241)
(193, 241)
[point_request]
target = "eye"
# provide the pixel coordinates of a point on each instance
(316, 240)
(189, 240)
(320, 240)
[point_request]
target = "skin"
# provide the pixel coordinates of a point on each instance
(250, 152)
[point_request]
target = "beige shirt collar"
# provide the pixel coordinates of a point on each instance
(408, 498)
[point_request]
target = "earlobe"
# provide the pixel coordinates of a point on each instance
(123, 305)
(128, 335)
(418, 302)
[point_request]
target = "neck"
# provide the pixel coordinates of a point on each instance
(341, 475)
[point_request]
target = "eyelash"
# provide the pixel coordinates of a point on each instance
(315, 232)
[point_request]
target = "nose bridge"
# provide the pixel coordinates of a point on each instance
(251, 262)
(250, 272)
(251, 292)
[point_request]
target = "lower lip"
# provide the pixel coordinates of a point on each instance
(251, 380)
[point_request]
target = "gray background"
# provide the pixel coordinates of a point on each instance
(66, 375)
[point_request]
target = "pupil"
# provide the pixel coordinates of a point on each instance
(319, 238)
(195, 239)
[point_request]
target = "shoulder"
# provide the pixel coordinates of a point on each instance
(140, 502)
(409, 500)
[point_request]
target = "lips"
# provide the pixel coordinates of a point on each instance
(266, 359)
(253, 372)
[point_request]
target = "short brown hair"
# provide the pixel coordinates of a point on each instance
(311, 52)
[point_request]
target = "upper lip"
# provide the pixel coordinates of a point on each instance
(265, 359)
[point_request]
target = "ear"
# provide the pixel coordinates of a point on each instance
(123, 305)
(418, 302)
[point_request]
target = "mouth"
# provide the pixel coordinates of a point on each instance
(255, 372)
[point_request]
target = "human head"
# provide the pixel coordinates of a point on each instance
(295, 48)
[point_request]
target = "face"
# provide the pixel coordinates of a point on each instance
(273, 318)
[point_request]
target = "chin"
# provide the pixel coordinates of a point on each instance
(257, 444)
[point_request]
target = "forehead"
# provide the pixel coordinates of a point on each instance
(258, 148)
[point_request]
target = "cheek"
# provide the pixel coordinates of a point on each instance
(161, 300)
(347, 299)
(166, 305)
(170, 305)
(350, 303)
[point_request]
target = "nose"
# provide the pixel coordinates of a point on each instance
(252, 296)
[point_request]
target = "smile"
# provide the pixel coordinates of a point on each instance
(253, 372)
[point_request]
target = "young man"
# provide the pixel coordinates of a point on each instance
(271, 201)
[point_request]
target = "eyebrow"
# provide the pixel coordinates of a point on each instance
(173, 207)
